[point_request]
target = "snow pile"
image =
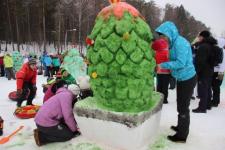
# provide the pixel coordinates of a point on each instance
(206, 130)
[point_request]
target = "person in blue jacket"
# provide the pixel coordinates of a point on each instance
(182, 69)
(47, 61)
(56, 64)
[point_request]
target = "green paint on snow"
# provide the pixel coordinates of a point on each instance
(21, 143)
(86, 146)
(161, 143)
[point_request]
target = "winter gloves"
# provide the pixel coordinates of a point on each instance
(19, 92)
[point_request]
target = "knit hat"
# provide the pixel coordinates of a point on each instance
(75, 89)
(205, 33)
(32, 61)
(83, 82)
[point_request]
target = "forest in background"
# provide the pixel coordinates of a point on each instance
(63, 22)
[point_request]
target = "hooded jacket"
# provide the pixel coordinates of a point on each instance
(57, 109)
(8, 61)
(202, 60)
(55, 62)
(181, 63)
(47, 60)
(161, 49)
(25, 74)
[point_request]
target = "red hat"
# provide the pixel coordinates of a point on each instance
(160, 45)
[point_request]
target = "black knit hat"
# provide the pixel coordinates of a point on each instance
(32, 61)
(205, 33)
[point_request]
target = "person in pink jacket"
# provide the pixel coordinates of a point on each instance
(52, 89)
(55, 119)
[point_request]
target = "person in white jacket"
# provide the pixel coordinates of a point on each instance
(218, 76)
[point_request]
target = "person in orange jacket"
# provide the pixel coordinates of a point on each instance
(26, 82)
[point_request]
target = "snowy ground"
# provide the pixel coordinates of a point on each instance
(207, 131)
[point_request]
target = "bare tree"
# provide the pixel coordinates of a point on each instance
(17, 27)
(82, 7)
(10, 24)
(44, 31)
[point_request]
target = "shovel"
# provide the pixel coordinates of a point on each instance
(7, 138)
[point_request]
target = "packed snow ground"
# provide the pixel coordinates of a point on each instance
(207, 131)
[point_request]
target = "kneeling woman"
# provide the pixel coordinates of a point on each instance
(55, 120)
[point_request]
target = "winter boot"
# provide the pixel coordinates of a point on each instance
(36, 137)
(176, 138)
(19, 103)
(174, 128)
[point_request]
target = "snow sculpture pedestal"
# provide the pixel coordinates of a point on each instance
(119, 130)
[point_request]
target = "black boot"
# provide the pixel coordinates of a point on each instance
(214, 104)
(19, 103)
(174, 128)
(209, 107)
(197, 110)
(77, 133)
(176, 138)
(165, 102)
(29, 102)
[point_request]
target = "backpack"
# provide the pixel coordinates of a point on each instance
(216, 55)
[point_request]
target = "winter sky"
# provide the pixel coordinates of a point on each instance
(210, 12)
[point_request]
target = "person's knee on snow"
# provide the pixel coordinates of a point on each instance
(55, 119)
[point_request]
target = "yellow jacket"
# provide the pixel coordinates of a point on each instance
(8, 61)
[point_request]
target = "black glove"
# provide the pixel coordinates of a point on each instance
(76, 133)
(19, 92)
(220, 76)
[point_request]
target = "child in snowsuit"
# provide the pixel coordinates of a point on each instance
(163, 75)
(26, 82)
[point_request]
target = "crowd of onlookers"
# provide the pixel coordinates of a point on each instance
(202, 62)
(48, 64)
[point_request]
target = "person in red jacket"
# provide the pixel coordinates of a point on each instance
(26, 82)
(2, 70)
(161, 48)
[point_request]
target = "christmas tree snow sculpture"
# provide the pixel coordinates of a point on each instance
(121, 62)
(74, 64)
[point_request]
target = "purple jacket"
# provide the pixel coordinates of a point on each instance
(56, 109)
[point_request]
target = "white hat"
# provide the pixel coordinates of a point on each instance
(75, 89)
(83, 82)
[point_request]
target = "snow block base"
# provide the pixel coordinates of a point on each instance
(119, 130)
